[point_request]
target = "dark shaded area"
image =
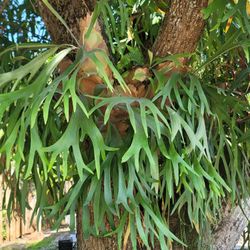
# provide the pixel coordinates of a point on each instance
(20, 23)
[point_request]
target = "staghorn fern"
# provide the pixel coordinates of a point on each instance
(183, 149)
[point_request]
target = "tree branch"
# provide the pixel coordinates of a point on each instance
(181, 28)
(72, 11)
(229, 230)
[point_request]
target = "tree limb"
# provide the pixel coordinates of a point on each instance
(230, 228)
(72, 11)
(181, 28)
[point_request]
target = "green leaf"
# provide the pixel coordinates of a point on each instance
(122, 192)
(30, 68)
(160, 225)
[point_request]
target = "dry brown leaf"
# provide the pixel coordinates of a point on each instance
(126, 237)
(87, 85)
(137, 75)
(64, 64)
(169, 67)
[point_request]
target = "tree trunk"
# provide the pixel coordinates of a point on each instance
(79, 229)
(72, 11)
(181, 28)
(232, 225)
(92, 243)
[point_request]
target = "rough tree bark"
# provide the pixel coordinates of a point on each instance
(92, 243)
(79, 226)
(181, 30)
(233, 223)
(72, 11)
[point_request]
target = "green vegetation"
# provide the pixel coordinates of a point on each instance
(43, 244)
(185, 151)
